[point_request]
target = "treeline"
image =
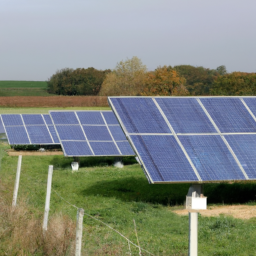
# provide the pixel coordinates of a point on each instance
(132, 78)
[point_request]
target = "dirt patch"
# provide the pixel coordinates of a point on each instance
(54, 101)
(34, 153)
(237, 211)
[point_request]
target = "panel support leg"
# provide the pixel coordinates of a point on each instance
(193, 234)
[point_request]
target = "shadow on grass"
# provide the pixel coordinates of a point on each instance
(138, 189)
(65, 162)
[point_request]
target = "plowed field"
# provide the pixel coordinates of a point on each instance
(54, 101)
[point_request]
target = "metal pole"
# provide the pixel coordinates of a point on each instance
(48, 196)
(79, 231)
(193, 234)
(17, 181)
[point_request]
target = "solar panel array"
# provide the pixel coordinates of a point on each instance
(191, 139)
(24, 129)
(90, 133)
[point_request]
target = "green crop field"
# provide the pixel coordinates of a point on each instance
(23, 88)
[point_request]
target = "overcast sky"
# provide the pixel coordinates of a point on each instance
(38, 37)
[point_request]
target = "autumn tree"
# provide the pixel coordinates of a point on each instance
(164, 81)
(76, 82)
(236, 83)
(126, 79)
(199, 80)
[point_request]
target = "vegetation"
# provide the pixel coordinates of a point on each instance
(199, 80)
(236, 83)
(164, 81)
(126, 79)
(23, 88)
(76, 82)
(116, 197)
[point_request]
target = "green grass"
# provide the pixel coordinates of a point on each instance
(23, 88)
(116, 197)
(7, 110)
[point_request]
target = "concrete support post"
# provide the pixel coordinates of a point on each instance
(79, 231)
(48, 196)
(193, 234)
(17, 181)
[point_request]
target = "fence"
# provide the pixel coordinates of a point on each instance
(80, 214)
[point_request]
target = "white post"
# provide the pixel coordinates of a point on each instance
(193, 234)
(17, 181)
(79, 231)
(48, 196)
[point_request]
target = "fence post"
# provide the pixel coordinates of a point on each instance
(79, 231)
(17, 181)
(48, 196)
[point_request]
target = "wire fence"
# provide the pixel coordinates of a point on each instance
(100, 221)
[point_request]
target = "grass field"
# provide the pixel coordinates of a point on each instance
(116, 197)
(23, 88)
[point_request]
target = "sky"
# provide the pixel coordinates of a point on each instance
(37, 38)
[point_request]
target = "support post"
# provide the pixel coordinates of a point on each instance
(48, 196)
(79, 231)
(17, 181)
(193, 234)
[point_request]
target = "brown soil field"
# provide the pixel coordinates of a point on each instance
(54, 101)
(237, 211)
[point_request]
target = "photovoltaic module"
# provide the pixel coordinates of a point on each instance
(191, 139)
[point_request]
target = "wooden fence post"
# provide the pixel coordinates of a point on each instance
(48, 196)
(17, 181)
(79, 231)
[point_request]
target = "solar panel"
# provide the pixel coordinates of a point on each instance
(191, 139)
(29, 129)
(229, 114)
(90, 133)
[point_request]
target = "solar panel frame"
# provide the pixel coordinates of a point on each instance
(96, 123)
(218, 132)
(30, 123)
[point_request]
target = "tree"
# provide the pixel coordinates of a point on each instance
(222, 70)
(199, 80)
(77, 82)
(236, 83)
(126, 79)
(164, 81)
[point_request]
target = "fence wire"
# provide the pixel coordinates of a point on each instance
(92, 217)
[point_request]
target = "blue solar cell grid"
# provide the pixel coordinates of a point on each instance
(12, 120)
(54, 134)
(104, 148)
(110, 117)
(67, 117)
(245, 150)
(90, 117)
(186, 115)
(73, 132)
(125, 148)
(39, 135)
(99, 129)
(211, 158)
(17, 135)
(76, 148)
(117, 133)
(140, 115)
(48, 119)
(27, 129)
(30, 119)
(163, 158)
(99, 133)
(229, 114)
